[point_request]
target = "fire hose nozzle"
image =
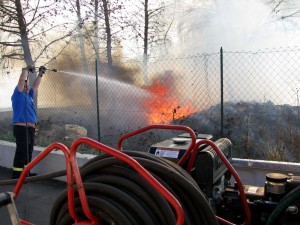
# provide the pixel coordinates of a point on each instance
(54, 70)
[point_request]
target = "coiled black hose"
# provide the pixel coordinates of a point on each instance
(117, 194)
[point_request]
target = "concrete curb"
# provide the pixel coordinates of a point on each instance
(53, 162)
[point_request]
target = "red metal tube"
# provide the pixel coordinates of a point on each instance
(25, 223)
(165, 127)
(71, 193)
(37, 159)
(161, 127)
(232, 171)
(82, 195)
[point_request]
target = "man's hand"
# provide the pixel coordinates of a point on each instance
(42, 71)
(30, 68)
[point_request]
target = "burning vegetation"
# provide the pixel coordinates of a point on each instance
(164, 105)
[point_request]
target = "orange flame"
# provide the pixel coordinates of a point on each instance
(163, 106)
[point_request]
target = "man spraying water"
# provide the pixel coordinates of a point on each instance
(24, 118)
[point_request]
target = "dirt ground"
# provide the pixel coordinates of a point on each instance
(47, 133)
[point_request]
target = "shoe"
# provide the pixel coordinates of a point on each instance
(15, 175)
(32, 174)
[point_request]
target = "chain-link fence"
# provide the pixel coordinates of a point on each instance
(249, 97)
(262, 103)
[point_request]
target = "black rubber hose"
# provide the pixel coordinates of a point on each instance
(171, 189)
(156, 158)
(140, 210)
(138, 194)
(131, 194)
(165, 207)
(145, 155)
(65, 217)
(159, 200)
(143, 213)
(183, 193)
(133, 207)
(132, 218)
(135, 177)
(110, 195)
(95, 159)
(109, 212)
(160, 203)
(189, 206)
(167, 172)
(198, 199)
(63, 210)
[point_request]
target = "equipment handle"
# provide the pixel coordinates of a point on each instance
(5, 199)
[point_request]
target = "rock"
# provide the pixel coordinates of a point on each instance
(74, 132)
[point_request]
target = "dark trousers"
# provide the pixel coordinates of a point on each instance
(24, 147)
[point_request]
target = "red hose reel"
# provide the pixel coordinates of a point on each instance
(74, 177)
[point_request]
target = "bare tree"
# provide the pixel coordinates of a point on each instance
(108, 33)
(25, 32)
(284, 9)
(87, 29)
(106, 21)
(113, 24)
(149, 26)
(96, 33)
(80, 30)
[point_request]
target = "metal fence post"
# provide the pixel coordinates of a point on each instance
(222, 100)
(97, 96)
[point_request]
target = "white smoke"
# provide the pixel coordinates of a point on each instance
(236, 25)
